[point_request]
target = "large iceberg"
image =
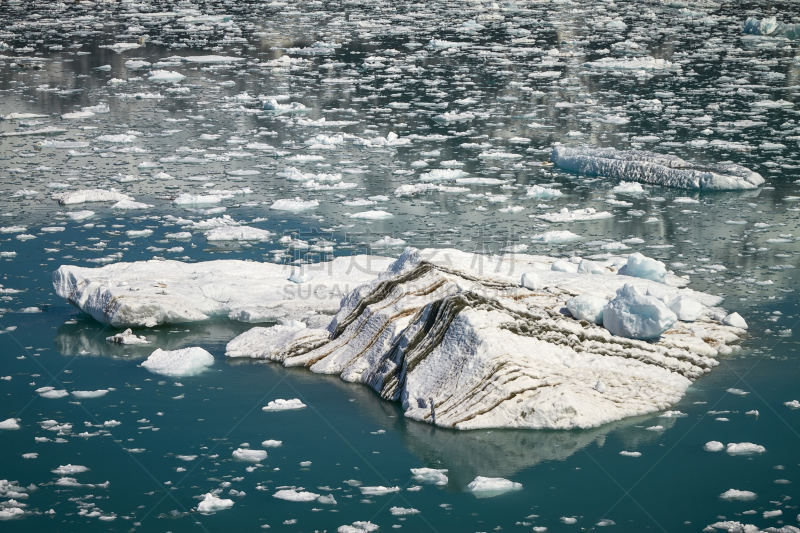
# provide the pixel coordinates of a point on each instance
(459, 339)
(461, 343)
(653, 168)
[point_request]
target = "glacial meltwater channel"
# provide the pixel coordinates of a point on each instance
(295, 132)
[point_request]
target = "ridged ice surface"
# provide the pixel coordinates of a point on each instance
(653, 168)
(460, 343)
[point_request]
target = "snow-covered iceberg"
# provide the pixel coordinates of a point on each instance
(148, 293)
(770, 26)
(653, 168)
(458, 340)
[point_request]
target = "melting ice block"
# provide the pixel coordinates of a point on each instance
(460, 342)
(179, 363)
(653, 168)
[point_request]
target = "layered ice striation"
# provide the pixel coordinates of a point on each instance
(460, 342)
(653, 168)
(148, 293)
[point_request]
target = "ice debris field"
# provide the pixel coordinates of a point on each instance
(439, 266)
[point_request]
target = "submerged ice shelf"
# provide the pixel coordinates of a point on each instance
(653, 168)
(461, 340)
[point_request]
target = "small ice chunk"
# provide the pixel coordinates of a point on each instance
(238, 233)
(556, 237)
(735, 320)
(88, 394)
(10, 423)
(641, 266)
(403, 511)
(51, 393)
(246, 454)
(77, 216)
(294, 495)
(177, 363)
(587, 307)
(489, 487)
(793, 404)
(69, 470)
(713, 446)
(130, 205)
(628, 187)
(89, 195)
(543, 193)
(744, 448)
(211, 504)
(165, 76)
(627, 453)
(738, 495)
(636, 315)
(359, 526)
(378, 490)
(375, 214)
(271, 443)
(283, 405)
(436, 476)
(294, 205)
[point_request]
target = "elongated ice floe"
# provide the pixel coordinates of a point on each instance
(653, 168)
(148, 293)
(459, 342)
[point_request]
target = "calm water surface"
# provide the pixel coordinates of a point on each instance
(483, 87)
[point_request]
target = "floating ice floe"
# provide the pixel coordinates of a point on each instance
(90, 195)
(69, 470)
(653, 168)
(744, 448)
(89, 394)
(212, 503)
(246, 454)
(165, 76)
(632, 63)
(576, 215)
(738, 495)
(376, 214)
(238, 233)
(149, 293)
(179, 363)
(294, 205)
(296, 495)
(439, 325)
(284, 405)
(543, 193)
(10, 423)
(769, 26)
(489, 487)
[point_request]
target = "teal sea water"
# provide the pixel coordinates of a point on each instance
(515, 77)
